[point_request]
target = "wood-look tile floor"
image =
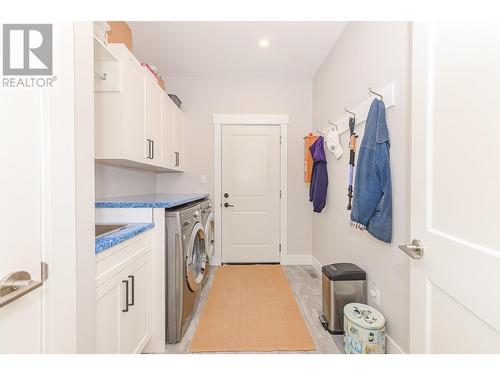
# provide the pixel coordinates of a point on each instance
(306, 286)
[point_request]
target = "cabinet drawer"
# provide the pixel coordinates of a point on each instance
(117, 258)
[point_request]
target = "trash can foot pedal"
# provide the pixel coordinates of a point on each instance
(324, 323)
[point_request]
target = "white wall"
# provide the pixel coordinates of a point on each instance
(111, 181)
(204, 96)
(368, 54)
(84, 186)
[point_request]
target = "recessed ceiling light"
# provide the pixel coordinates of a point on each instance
(264, 43)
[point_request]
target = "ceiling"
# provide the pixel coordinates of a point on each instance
(231, 49)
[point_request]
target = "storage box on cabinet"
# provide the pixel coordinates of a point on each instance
(134, 124)
(123, 296)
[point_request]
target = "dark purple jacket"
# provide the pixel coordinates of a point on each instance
(319, 177)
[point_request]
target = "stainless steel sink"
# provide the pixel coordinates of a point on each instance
(105, 229)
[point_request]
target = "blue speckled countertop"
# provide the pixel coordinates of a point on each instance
(166, 200)
(105, 242)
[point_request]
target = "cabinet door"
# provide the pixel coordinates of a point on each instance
(135, 107)
(155, 128)
(110, 338)
(178, 138)
(138, 318)
(168, 137)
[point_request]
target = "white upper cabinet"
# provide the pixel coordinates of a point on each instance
(168, 124)
(155, 129)
(178, 138)
(136, 123)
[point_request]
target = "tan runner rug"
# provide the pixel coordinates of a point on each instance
(251, 308)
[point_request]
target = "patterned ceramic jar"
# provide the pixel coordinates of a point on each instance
(364, 330)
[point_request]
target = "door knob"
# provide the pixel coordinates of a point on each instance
(415, 250)
(228, 205)
(226, 195)
(15, 285)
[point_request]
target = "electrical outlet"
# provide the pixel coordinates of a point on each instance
(203, 178)
(374, 294)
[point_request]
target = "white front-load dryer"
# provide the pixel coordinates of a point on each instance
(185, 267)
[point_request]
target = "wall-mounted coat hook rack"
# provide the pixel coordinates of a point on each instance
(102, 76)
(360, 112)
(352, 113)
(333, 125)
(375, 93)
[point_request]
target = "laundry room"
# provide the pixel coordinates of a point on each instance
(260, 186)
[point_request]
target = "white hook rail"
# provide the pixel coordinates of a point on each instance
(361, 110)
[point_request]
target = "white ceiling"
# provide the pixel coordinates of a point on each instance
(296, 49)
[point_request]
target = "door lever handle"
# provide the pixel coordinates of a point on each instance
(228, 205)
(415, 250)
(15, 285)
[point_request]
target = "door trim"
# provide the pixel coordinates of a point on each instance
(220, 120)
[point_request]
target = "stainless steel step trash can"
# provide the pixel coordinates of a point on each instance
(342, 283)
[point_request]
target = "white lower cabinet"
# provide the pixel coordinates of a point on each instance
(124, 297)
(110, 334)
(138, 316)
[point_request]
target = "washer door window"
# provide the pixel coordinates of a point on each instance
(196, 258)
(210, 236)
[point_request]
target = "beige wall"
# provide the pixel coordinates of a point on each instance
(368, 54)
(204, 96)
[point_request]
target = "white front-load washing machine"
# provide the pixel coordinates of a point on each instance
(208, 223)
(186, 261)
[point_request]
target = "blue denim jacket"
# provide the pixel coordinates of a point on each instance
(372, 200)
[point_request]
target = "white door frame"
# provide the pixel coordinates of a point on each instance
(220, 120)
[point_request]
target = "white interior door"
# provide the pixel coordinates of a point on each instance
(20, 152)
(250, 194)
(455, 188)
(37, 150)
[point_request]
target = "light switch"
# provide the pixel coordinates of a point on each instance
(203, 178)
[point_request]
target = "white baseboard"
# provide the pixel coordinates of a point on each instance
(391, 347)
(316, 264)
(296, 260)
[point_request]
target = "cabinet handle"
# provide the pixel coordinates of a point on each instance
(152, 149)
(149, 148)
(133, 290)
(176, 159)
(126, 296)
